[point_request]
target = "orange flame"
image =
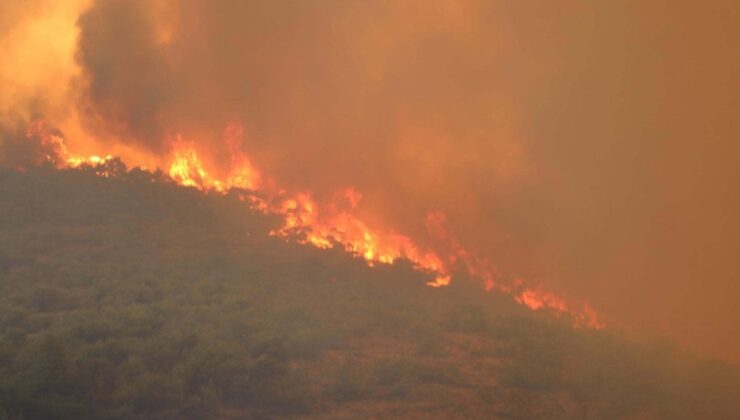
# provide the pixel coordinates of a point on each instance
(55, 149)
(187, 169)
(537, 298)
(332, 224)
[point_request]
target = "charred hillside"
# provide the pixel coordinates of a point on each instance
(128, 296)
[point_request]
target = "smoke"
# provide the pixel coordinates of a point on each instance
(585, 145)
(38, 40)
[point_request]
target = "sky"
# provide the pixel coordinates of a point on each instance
(588, 146)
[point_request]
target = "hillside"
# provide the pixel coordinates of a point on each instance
(128, 296)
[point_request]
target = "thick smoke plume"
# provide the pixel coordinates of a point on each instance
(590, 146)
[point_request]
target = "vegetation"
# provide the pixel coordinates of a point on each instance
(127, 296)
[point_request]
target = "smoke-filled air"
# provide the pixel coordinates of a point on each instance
(575, 162)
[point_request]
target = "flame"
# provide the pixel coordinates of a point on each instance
(328, 225)
(55, 149)
(187, 169)
(537, 298)
(355, 236)
(440, 281)
(243, 173)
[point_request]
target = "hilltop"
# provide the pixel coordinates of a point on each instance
(129, 296)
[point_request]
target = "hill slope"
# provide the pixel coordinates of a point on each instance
(131, 297)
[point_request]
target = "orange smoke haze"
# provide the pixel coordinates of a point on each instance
(579, 149)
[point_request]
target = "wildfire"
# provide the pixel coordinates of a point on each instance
(187, 170)
(56, 151)
(302, 214)
(93, 160)
(327, 225)
(440, 281)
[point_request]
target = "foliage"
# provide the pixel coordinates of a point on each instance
(128, 296)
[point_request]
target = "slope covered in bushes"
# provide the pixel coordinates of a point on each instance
(127, 296)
